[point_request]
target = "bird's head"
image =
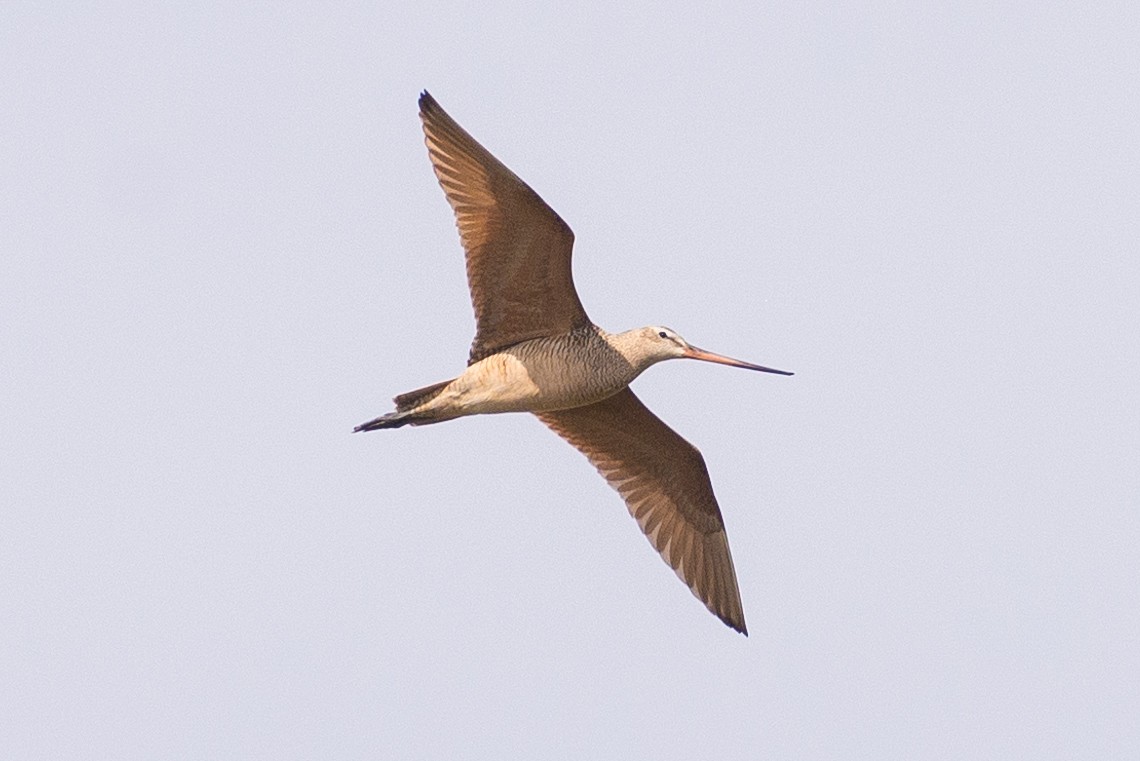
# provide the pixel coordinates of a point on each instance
(649, 345)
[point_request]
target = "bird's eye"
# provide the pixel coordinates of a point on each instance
(663, 334)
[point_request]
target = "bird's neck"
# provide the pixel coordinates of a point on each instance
(633, 348)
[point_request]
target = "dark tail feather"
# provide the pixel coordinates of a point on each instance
(397, 419)
(391, 420)
(405, 404)
(412, 399)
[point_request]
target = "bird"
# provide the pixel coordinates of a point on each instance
(536, 351)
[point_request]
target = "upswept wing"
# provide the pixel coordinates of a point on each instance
(518, 249)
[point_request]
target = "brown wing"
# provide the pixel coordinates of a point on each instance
(518, 249)
(666, 486)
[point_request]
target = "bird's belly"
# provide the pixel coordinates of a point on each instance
(506, 383)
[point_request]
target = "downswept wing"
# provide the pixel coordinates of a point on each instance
(518, 249)
(666, 487)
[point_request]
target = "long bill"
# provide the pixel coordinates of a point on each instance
(707, 356)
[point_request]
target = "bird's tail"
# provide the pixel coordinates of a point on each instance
(412, 399)
(406, 410)
(391, 420)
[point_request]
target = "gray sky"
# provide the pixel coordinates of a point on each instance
(222, 246)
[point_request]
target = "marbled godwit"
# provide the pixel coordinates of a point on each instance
(535, 350)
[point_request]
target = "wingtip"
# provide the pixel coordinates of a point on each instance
(736, 625)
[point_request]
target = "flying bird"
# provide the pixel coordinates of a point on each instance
(535, 350)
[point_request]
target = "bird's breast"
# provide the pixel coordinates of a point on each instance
(559, 372)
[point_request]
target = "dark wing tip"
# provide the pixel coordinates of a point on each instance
(736, 625)
(428, 103)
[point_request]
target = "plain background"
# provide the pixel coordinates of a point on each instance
(222, 246)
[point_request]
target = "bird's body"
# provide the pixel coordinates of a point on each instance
(535, 350)
(540, 375)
